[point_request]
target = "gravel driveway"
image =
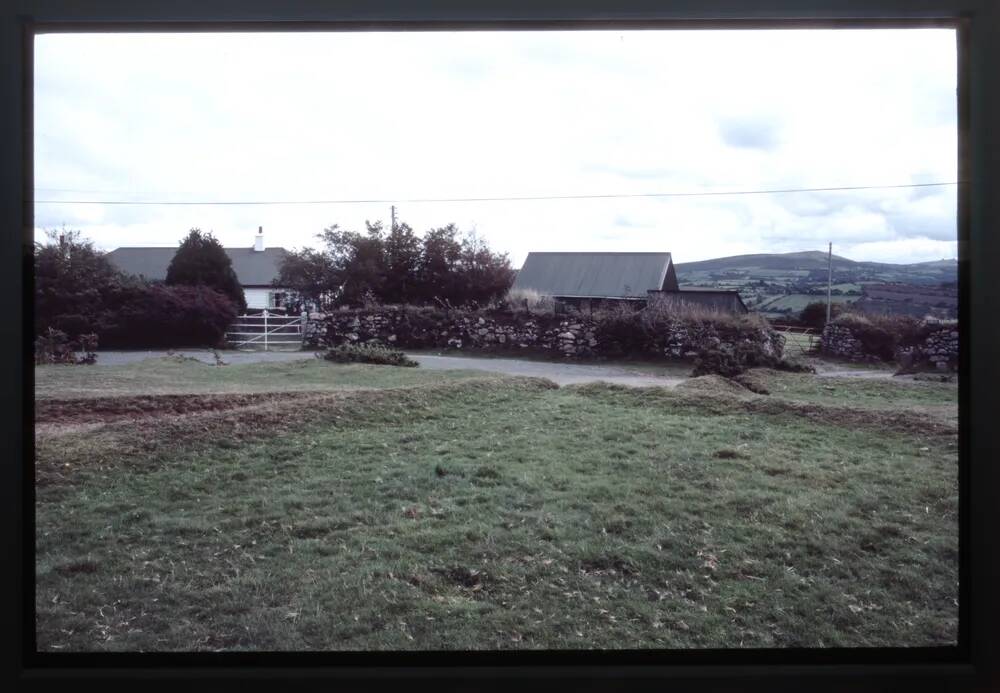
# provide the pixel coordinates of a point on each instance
(561, 373)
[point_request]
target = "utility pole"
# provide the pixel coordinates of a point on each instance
(829, 281)
(393, 227)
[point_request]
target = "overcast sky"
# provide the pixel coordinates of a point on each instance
(408, 116)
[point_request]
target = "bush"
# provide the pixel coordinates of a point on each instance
(814, 314)
(157, 316)
(731, 363)
(55, 347)
(621, 331)
(368, 353)
(75, 324)
(75, 284)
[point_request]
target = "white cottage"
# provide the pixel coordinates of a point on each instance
(256, 268)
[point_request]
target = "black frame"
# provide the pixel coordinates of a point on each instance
(977, 22)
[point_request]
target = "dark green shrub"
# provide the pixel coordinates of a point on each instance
(74, 324)
(75, 284)
(621, 331)
(158, 316)
(730, 363)
(368, 353)
(716, 361)
(814, 314)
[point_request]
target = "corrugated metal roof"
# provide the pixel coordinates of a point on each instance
(593, 275)
(253, 268)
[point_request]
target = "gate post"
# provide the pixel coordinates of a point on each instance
(265, 329)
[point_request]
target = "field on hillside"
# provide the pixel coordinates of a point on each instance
(319, 506)
(794, 303)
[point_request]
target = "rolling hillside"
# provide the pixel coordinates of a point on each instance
(781, 284)
(812, 264)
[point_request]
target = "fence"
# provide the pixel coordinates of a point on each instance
(804, 340)
(266, 331)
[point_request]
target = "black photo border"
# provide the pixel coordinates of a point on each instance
(971, 665)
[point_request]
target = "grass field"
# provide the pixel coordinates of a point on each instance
(181, 375)
(796, 302)
(457, 511)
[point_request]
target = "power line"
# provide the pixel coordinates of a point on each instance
(493, 199)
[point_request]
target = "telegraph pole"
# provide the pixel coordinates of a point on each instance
(393, 227)
(829, 281)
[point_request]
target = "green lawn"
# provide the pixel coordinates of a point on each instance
(181, 375)
(891, 393)
(500, 513)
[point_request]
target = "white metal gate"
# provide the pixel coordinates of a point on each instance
(267, 331)
(802, 340)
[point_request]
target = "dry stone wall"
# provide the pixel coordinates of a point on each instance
(938, 348)
(840, 341)
(583, 336)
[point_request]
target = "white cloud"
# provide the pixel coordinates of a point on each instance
(443, 115)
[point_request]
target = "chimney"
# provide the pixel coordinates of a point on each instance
(258, 241)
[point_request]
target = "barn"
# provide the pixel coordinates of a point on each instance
(591, 280)
(720, 300)
(256, 268)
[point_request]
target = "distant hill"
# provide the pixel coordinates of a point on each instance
(812, 264)
(780, 285)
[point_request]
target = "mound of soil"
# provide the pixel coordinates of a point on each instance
(713, 385)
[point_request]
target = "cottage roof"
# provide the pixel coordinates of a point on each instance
(252, 267)
(596, 275)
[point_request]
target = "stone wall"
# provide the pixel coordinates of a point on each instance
(839, 341)
(580, 336)
(937, 347)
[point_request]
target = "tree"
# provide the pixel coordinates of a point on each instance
(398, 267)
(356, 261)
(402, 258)
(202, 261)
(309, 275)
(439, 258)
(484, 275)
(76, 286)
